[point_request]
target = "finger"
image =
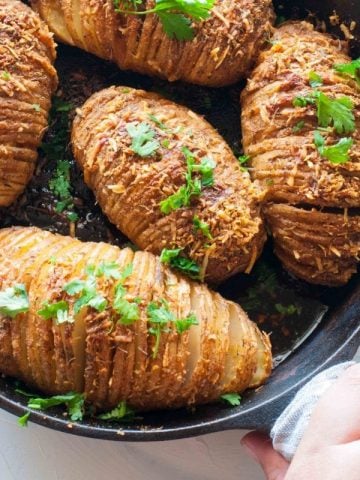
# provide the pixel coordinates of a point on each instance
(336, 418)
(331, 463)
(260, 448)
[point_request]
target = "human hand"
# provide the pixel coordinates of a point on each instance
(330, 448)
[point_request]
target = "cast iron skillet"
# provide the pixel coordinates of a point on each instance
(301, 349)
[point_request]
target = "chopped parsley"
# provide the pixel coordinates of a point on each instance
(193, 184)
(157, 121)
(5, 75)
(315, 80)
(160, 318)
(176, 260)
(143, 142)
(176, 16)
(86, 292)
(121, 412)
(106, 269)
(243, 160)
(351, 69)
(233, 399)
(337, 153)
(201, 226)
(14, 300)
(128, 311)
(58, 311)
(23, 421)
(299, 126)
(337, 112)
(73, 401)
(288, 309)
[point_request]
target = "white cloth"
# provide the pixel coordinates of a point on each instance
(290, 426)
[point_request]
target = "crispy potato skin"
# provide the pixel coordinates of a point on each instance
(111, 362)
(27, 81)
(221, 53)
(320, 246)
(129, 188)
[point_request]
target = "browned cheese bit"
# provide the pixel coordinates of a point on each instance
(109, 361)
(27, 82)
(130, 188)
(221, 52)
(312, 207)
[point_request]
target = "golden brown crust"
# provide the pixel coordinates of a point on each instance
(111, 363)
(287, 163)
(27, 81)
(221, 53)
(129, 188)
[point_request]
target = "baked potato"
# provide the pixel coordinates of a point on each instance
(221, 52)
(301, 130)
(27, 81)
(119, 325)
(161, 199)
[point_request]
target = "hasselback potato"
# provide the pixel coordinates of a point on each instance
(301, 129)
(118, 325)
(27, 81)
(189, 193)
(221, 52)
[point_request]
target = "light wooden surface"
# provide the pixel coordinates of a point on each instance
(37, 453)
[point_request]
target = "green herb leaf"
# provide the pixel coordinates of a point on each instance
(142, 139)
(129, 311)
(159, 316)
(233, 399)
(288, 309)
(58, 311)
(338, 153)
(121, 412)
(315, 80)
(304, 101)
(108, 270)
(23, 421)
(351, 69)
(185, 265)
(337, 112)
(193, 186)
(74, 287)
(73, 401)
(184, 324)
(14, 300)
(299, 126)
(243, 159)
(203, 227)
(176, 26)
(88, 294)
(5, 75)
(72, 217)
(157, 121)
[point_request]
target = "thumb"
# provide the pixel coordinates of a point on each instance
(260, 448)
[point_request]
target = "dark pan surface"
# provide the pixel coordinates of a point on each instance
(336, 310)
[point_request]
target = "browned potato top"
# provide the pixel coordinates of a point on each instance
(98, 350)
(312, 209)
(130, 187)
(27, 81)
(221, 53)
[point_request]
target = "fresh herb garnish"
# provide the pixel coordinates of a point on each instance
(338, 153)
(288, 309)
(243, 160)
(299, 126)
(14, 300)
(233, 399)
(315, 80)
(73, 401)
(351, 69)
(201, 226)
(160, 318)
(336, 112)
(176, 16)
(193, 185)
(143, 142)
(58, 311)
(121, 412)
(128, 311)
(157, 121)
(5, 75)
(176, 260)
(88, 296)
(23, 421)
(106, 269)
